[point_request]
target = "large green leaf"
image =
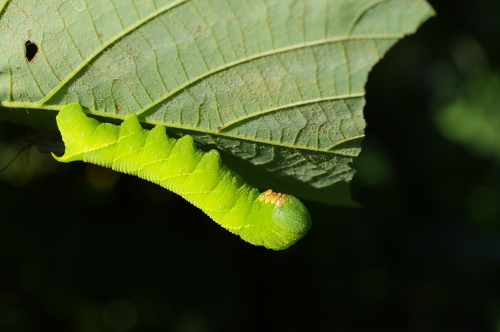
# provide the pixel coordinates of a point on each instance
(276, 84)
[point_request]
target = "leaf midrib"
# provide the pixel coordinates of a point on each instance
(188, 128)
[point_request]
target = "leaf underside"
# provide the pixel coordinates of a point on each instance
(276, 85)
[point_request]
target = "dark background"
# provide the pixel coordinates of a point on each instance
(84, 249)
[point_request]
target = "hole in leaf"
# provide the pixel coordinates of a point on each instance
(30, 50)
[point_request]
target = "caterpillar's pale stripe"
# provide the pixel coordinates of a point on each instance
(268, 219)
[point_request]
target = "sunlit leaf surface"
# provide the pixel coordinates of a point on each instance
(277, 85)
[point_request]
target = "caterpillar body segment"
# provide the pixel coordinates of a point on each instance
(268, 219)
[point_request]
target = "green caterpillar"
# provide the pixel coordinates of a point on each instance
(268, 219)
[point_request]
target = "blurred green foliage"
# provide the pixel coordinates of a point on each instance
(472, 117)
(82, 249)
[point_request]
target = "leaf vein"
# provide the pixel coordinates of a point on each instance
(106, 45)
(261, 55)
(291, 105)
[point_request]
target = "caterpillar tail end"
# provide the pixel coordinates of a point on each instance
(74, 125)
